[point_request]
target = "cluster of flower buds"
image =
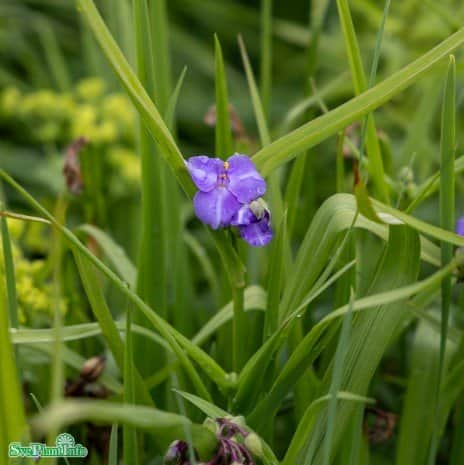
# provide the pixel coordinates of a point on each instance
(236, 445)
(230, 194)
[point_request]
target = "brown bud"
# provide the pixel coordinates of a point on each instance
(72, 169)
(93, 368)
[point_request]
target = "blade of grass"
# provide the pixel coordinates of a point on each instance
(130, 453)
(289, 146)
(56, 61)
(152, 262)
(447, 220)
(431, 185)
(12, 299)
(12, 427)
(172, 104)
(291, 455)
(104, 318)
(223, 129)
(340, 164)
(57, 369)
(374, 66)
(165, 425)
(337, 376)
(113, 252)
(417, 423)
(39, 409)
(275, 280)
(266, 54)
(360, 85)
(264, 135)
(113, 447)
(161, 55)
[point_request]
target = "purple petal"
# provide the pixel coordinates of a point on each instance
(205, 171)
(243, 217)
(216, 208)
(460, 226)
(257, 234)
(244, 180)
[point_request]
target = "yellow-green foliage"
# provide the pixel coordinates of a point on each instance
(49, 118)
(46, 116)
(33, 286)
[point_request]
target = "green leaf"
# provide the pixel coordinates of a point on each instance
(277, 272)
(223, 129)
(337, 376)
(274, 193)
(364, 203)
(416, 422)
(129, 433)
(105, 320)
(447, 206)
(258, 107)
(206, 407)
(266, 54)
(114, 253)
(9, 269)
(371, 334)
(309, 417)
(360, 85)
(289, 146)
(113, 447)
(166, 426)
(172, 104)
(12, 427)
(152, 260)
(314, 341)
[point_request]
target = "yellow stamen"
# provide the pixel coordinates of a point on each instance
(226, 165)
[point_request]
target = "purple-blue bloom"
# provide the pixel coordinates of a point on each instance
(227, 190)
(254, 223)
(460, 226)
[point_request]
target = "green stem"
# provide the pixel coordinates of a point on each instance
(340, 165)
(239, 328)
(9, 275)
(266, 54)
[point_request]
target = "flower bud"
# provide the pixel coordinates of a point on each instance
(176, 454)
(210, 424)
(93, 368)
(254, 444)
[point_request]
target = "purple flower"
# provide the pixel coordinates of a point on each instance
(227, 189)
(254, 223)
(460, 226)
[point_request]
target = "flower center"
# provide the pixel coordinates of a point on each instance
(222, 178)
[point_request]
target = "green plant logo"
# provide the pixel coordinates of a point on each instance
(65, 446)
